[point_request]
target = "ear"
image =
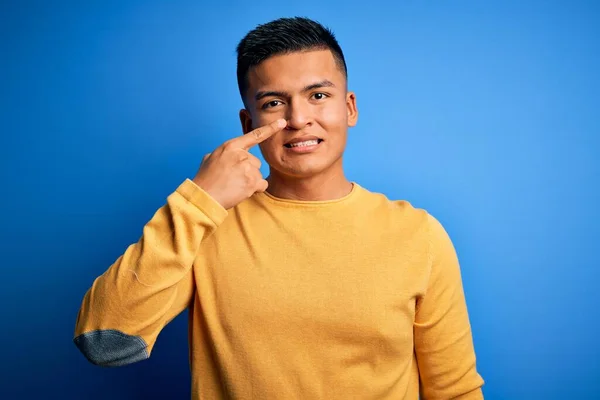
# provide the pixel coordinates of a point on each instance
(246, 120)
(351, 107)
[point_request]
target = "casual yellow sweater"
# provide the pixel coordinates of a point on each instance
(355, 298)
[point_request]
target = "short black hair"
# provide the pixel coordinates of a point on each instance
(282, 36)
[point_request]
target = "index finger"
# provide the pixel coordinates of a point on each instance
(259, 135)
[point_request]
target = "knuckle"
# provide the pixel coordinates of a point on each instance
(242, 156)
(253, 160)
(228, 145)
(250, 179)
(263, 185)
(258, 133)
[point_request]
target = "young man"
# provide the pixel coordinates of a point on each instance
(303, 285)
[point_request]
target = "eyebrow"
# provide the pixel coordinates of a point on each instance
(274, 93)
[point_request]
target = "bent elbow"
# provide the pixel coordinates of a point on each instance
(111, 348)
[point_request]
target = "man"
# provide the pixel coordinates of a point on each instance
(303, 285)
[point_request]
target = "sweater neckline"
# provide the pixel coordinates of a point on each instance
(311, 203)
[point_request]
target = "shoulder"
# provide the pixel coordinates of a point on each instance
(403, 214)
(401, 218)
(398, 207)
(398, 218)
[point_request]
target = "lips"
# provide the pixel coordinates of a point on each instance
(301, 140)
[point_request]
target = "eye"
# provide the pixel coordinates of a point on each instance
(319, 96)
(271, 104)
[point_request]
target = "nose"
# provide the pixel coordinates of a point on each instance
(298, 115)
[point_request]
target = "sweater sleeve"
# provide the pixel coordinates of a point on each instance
(442, 332)
(150, 284)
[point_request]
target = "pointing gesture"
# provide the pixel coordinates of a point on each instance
(230, 174)
(258, 135)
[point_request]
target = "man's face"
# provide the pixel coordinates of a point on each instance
(308, 90)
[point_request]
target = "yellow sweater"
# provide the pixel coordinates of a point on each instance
(355, 298)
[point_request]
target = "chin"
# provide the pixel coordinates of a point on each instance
(302, 171)
(301, 166)
(306, 174)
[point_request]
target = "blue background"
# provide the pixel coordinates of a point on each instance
(485, 115)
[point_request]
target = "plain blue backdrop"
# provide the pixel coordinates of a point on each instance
(484, 113)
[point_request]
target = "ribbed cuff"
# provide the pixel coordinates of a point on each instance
(198, 197)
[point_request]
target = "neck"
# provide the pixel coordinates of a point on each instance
(315, 188)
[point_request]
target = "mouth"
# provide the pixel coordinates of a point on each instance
(304, 143)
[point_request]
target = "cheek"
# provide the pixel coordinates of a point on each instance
(333, 117)
(260, 119)
(268, 149)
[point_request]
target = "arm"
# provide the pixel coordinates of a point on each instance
(443, 339)
(150, 284)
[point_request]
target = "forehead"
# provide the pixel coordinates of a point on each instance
(295, 70)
